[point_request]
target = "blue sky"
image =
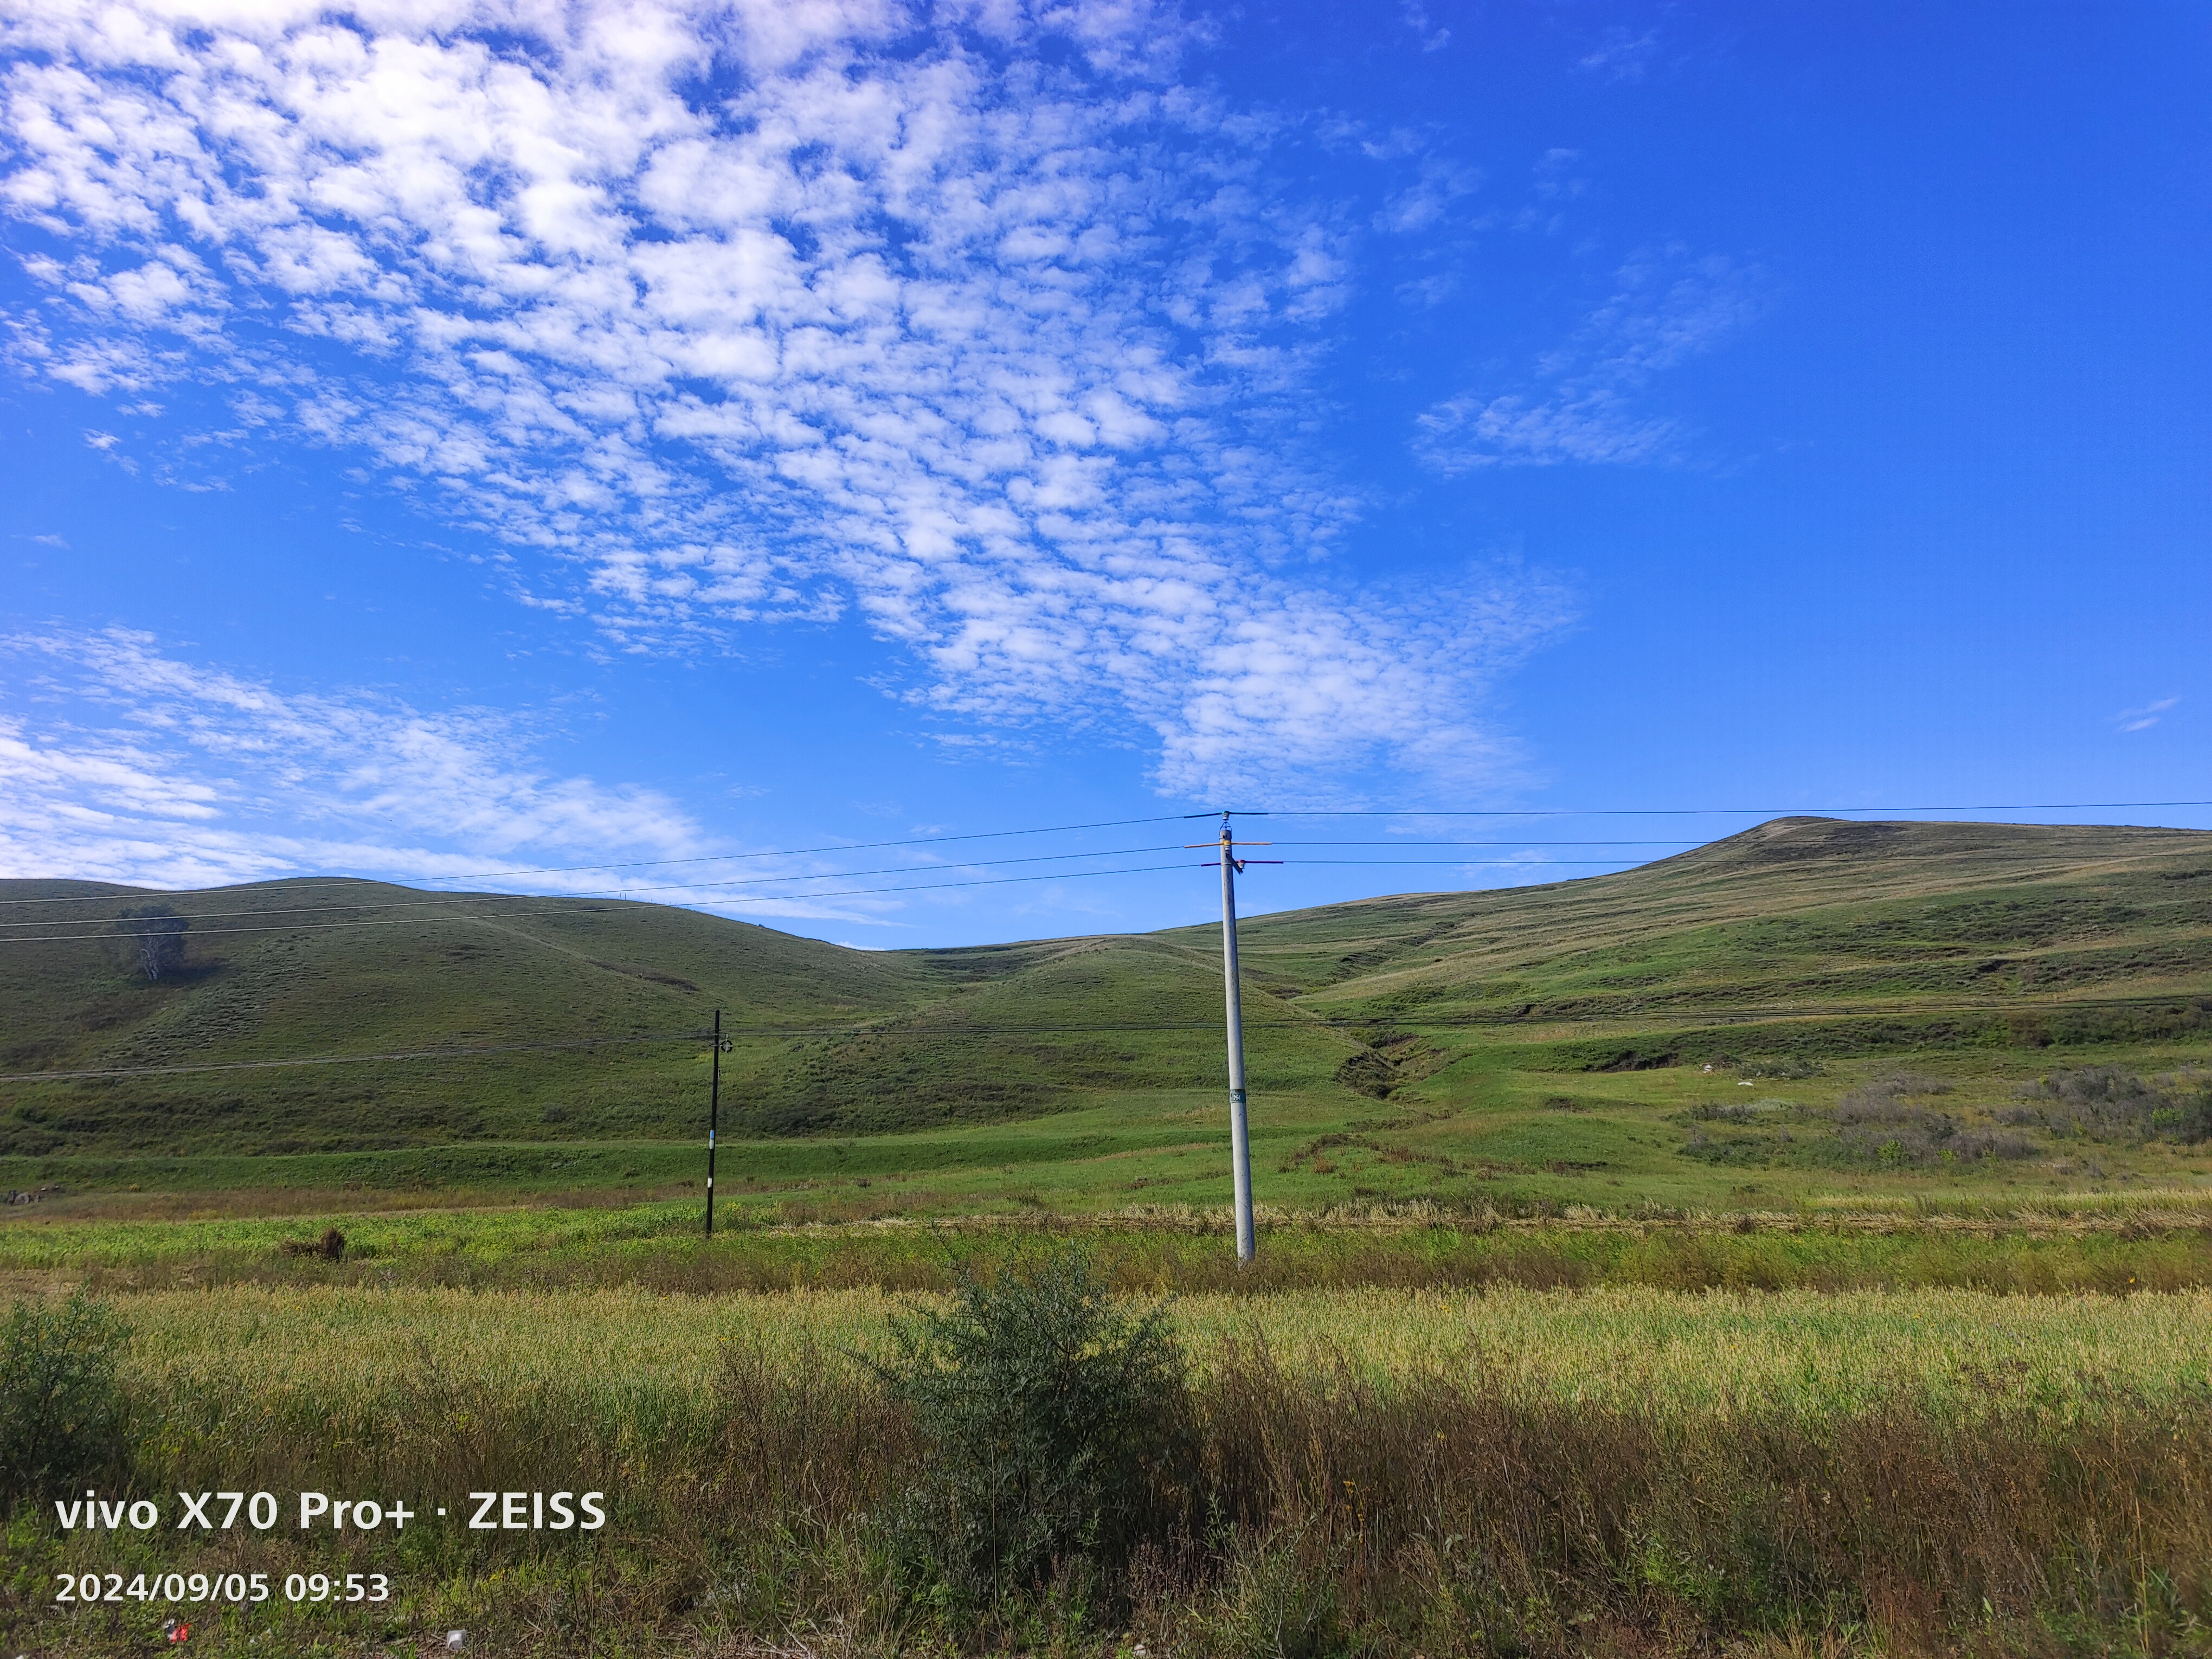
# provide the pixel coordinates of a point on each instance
(448, 438)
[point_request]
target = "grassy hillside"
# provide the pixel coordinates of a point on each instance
(1843, 919)
(826, 1039)
(1886, 990)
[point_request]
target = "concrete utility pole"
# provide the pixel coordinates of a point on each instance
(714, 1120)
(1240, 1140)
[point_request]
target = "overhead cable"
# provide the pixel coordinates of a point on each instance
(1707, 812)
(1175, 817)
(1335, 1025)
(703, 858)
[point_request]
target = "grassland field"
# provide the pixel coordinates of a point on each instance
(1519, 1140)
(1814, 1354)
(2017, 1474)
(1801, 1245)
(1702, 1033)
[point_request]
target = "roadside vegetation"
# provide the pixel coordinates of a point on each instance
(2110, 1246)
(1313, 1473)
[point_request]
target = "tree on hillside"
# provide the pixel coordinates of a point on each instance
(151, 939)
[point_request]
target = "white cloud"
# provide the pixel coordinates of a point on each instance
(1553, 176)
(119, 763)
(1580, 405)
(1418, 207)
(2142, 719)
(1290, 695)
(1416, 17)
(1621, 55)
(1515, 430)
(757, 312)
(1431, 290)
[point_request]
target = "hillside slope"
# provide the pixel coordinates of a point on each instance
(823, 1037)
(1802, 935)
(1801, 932)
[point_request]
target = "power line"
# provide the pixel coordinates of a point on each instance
(572, 899)
(739, 898)
(695, 886)
(446, 900)
(1711, 811)
(345, 1060)
(1470, 864)
(1513, 1017)
(568, 901)
(648, 864)
(1111, 824)
(1335, 1025)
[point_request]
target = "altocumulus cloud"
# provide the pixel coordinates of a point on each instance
(1580, 405)
(979, 320)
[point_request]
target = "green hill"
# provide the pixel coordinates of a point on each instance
(1854, 934)
(1807, 948)
(824, 1038)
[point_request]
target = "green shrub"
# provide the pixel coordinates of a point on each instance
(1058, 1433)
(62, 1412)
(1793, 1067)
(2192, 1123)
(2105, 1102)
(1280, 1599)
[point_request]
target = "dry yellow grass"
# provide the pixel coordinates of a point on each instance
(1689, 1468)
(1798, 1350)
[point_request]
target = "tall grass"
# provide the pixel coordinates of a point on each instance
(1440, 1510)
(533, 1244)
(637, 1353)
(2026, 1251)
(1378, 1472)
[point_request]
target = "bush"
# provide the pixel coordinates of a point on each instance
(2104, 1103)
(2191, 1120)
(332, 1245)
(62, 1412)
(1793, 1068)
(1060, 1433)
(150, 940)
(1280, 1599)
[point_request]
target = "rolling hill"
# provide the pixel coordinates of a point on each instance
(1798, 935)
(1802, 942)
